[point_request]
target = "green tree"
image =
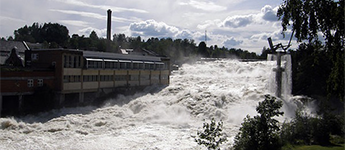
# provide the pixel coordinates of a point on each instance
(10, 38)
(261, 132)
(93, 36)
(53, 33)
(212, 135)
(202, 49)
(23, 34)
(309, 18)
(307, 129)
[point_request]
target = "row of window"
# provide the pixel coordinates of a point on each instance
(72, 61)
(122, 64)
(96, 78)
(71, 79)
(75, 61)
(31, 82)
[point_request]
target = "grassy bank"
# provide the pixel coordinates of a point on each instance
(314, 147)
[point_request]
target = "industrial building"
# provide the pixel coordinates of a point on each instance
(72, 74)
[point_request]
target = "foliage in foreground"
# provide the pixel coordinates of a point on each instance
(212, 135)
(319, 66)
(307, 130)
(262, 131)
(314, 147)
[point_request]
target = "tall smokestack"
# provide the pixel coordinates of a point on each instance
(109, 24)
(108, 30)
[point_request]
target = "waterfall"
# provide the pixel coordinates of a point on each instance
(165, 118)
(286, 76)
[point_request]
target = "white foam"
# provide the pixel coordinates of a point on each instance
(226, 90)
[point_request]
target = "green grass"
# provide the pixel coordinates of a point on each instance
(314, 147)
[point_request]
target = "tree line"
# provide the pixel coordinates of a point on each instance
(54, 35)
(318, 63)
(318, 72)
(265, 132)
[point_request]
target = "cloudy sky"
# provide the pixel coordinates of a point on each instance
(242, 24)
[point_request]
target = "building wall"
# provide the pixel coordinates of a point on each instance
(65, 71)
(133, 77)
(155, 77)
(145, 77)
(58, 59)
(165, 79)
(121, 78)
(106, 78)
(24, 81)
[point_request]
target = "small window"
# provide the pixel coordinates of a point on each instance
(141, 66)
(71, 61)
(65, 79)
(164, 77)
(122, 65)
(40, 82)
(30, 82)
(76, 78)
(34, 56)
(120, 77)
(65, 61)
(94, 78)
(76, 62)
(129, 65)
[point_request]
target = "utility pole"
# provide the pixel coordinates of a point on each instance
(279, 73)
(206, 37)
(279, 70)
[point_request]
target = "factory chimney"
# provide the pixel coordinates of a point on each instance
(109, 30)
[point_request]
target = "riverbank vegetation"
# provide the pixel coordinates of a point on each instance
(318, 63)
(264, 132)
(54, 35)
(314, 147)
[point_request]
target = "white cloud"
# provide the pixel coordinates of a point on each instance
(238, 21)
(153, 28)
(75, 23)
(232, 42)
(87, 31)
(269, 14)
(209, 23)
(81, 13)
(8, 25)
(6, 19)
(206, 6)
(103, 7)
(228, 23)
(92, 15)
(184, 34)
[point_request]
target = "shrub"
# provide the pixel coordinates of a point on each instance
(261, 132)
(305, 129)
(212, 135)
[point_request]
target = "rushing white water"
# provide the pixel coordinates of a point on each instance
(286, 75)
(163, 118)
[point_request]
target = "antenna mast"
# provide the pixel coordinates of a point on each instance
(205, 36)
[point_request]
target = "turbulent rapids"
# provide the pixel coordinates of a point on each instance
(158, 118)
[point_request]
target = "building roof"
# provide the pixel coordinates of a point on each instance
(6, 46)
(104, 55)
(126, 51)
